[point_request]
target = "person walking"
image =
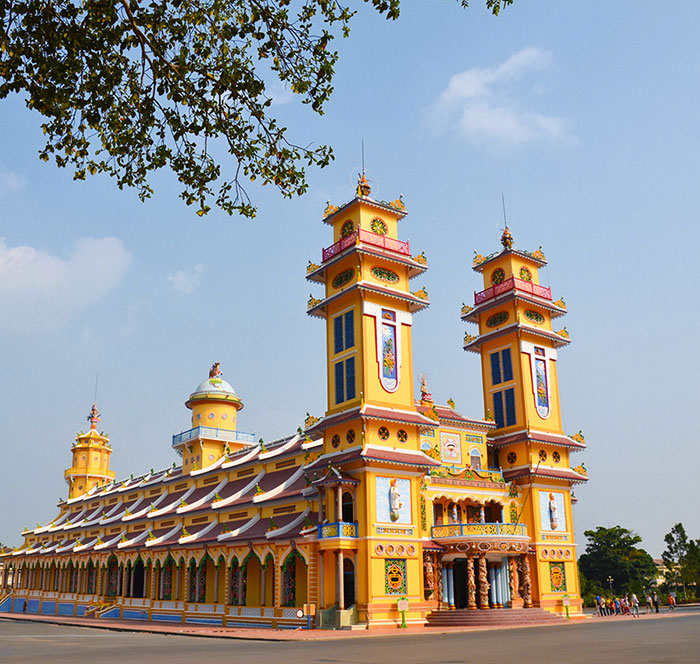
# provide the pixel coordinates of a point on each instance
(671, 602)
(656, 603)
(635, 606)
(650, 606)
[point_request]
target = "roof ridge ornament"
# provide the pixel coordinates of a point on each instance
(363, 187)
(93, 417)
(507, 239)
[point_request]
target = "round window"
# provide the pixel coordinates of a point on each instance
(335, 441)
(224, 416)
(210, 416)
(525, 274)
(402, 436)
(378, 226)
(347, 228)
(534, 316)
(498, 276)
(343, 278)
(497, 319)
(512, 456)
(350, 436)
(556, 456)
(383, 433)
(543, 455)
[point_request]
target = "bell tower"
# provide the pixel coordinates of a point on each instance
(368, 308)
(519, 345)
(91, 452)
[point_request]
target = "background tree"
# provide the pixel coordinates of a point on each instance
(612, 552)
(128, 87)
(674, 556)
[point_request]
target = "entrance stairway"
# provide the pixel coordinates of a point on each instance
(492, 618)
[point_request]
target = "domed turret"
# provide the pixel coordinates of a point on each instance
(214, 405)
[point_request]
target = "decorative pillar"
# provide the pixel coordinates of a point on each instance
(498, 573)
(527, 583)
(339, 506)
(504, 581)
(444, 594)
(471, 584)
(131, 581)
(177, 572)
(483, 583)
(263, 579)
(451, 584)
(321, 589)
(241, 570)
(514, 599)
(341, 589)
(492, 585)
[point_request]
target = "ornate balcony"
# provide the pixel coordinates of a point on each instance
(337, 529)
(213, 432)
(483, 536)
(366, 237)
(513, 284)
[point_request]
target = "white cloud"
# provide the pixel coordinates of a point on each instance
(477, 104)
(39, 290)
(186, 281)
(11, 182)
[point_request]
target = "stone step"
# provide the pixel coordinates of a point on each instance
(481, 617)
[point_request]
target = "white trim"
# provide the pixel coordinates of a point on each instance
(168, 507)
(234, 533)
(282, 448)
(196, 536)
(232, 499)
(162, 538)
(242, 459)
(289, 526)
(278, 489)
(201, 501)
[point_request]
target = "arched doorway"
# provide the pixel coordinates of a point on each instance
(112, 577)
(348, 582)
(139, 579)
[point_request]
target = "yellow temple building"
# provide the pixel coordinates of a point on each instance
(389, 507)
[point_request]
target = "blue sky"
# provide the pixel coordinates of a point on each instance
(584, 115)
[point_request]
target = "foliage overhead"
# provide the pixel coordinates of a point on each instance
(682, 557)
(612, 552)
(128, 87)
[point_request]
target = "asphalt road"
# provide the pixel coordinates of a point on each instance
(673, 640)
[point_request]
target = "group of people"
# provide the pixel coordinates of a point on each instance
(629, 605)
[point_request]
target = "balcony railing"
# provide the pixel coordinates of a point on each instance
(478, 530)
(513, 284)
(366, 237)
(337, 529)
(213, 432)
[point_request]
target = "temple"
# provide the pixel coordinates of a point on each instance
(388, 507)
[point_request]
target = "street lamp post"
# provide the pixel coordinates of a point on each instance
(610, 582)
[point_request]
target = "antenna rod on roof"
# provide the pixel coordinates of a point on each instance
(503, 200)
(96, 377)
(363, 156)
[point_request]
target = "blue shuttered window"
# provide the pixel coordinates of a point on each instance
(507, 365)
(343, 332)
(498, 409)
(349, 329)
(510, 406)
(495, 369)
(338, 334)
(339, 383)
(350, 378)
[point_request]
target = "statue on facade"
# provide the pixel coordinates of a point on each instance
(94, 416)
(428, 575)
(394, 500)
(553, 516)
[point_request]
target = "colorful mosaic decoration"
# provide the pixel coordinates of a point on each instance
(556, 456)
(335, 441)
(402, 436)
(513, 513)
(395, 576)
(542, 395)
(383, 433)
(498, 276)
(557, 577)
(512, 456)
(384, 275)
(525, 274)
(389, 374)
(543, 455)
(343, 278)
(427, 431)
(497, 319)
(350, 436)
(534, 316)
(378, 226)
(347, 228)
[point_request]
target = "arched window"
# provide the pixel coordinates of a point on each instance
(475, 458)
(348, 507)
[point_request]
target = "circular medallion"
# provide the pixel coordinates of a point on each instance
(411, 550)
(525, 274)
(402, 436)
(400, 550)
(389, 549)
(512, 456)
(383, 433)
(347, 228)
(384, 275)
(378, 226)
(498, 276)
(543, 455)
(534, 316)
(350, 436)
(545, 553)
(497, 319)
(335, 441)
(300, 613)
(210, 416)
(556, 456)
(379, 549)
(343, 278)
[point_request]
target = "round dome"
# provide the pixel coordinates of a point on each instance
(218, 385)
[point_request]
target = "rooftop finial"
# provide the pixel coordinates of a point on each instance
(214, 372)
(425, 396)
(507, 239)
(93, 417)
(363, 188)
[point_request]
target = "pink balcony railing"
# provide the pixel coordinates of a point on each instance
(511, 284)
(366, 237)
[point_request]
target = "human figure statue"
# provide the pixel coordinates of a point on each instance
(553, 516)
(484, 584)
(215, 372)
(428, 574)
(394, 500)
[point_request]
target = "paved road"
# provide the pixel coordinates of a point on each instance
(672, 640)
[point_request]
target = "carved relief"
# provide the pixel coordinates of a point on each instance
(471, 584)
(484, 584)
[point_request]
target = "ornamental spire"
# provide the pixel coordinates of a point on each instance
(507, 239)
(93, 417)
(363, 188)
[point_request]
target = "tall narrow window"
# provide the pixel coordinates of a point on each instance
(343, 332)
(339, 383)
(350, 378)
(501, 367)
(345, 380)
(504, 407)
